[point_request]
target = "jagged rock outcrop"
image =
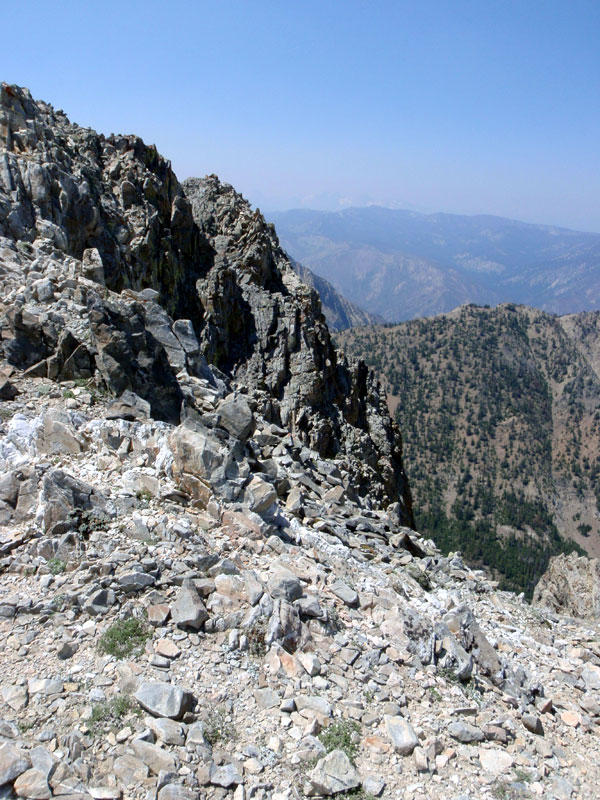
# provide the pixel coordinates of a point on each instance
(570, 585)
(265, 327)
(112, 269)
(112, 202)
(339, 312)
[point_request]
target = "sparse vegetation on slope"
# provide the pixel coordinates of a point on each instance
(500, 412)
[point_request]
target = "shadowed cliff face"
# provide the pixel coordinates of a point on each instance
(75, 205)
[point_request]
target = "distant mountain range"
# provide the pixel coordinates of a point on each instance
(402, 264)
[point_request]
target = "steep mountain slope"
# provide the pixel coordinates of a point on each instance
(501, 416)
(402, 265)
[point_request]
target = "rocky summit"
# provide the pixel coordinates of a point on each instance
(210, 584)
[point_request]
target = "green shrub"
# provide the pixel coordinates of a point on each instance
(341, 735)
(56, 566)
(111, 712)
(123, 637)
(217, 726)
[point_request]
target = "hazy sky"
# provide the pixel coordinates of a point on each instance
(489, 106)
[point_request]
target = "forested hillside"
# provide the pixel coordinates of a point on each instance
(500, 412)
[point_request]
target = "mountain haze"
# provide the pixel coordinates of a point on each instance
(402, 264)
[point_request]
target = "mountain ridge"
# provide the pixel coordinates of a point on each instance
(506, 443)
(208, 588)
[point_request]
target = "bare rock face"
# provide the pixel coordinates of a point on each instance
(265, 328)
(113, 202)
(570, 585)
(114, 271)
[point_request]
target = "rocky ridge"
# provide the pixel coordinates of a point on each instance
(110, 270)
(500, 414)
(203, 593)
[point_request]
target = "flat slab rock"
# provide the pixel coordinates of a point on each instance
(495, 760)
(164, 699)
(333, 774)
(345, 593)
(154, 757)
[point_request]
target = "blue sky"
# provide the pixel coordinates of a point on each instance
(470, 107)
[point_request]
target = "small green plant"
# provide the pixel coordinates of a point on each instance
(87, 521)
(111, 712)
(448, 674)
(341, 735)
(357, 794)
(62, 602)
(505, 790)
(217, 726)
(522, 776)
(123, 637)
(473, 691)
(369, 696)
(56, 566)
(68, 394)
(26, 725)
(434, 694)
(143, 495)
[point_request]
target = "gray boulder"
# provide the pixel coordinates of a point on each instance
(129, 406)
(284, 585)
(235, 416)
(164, 699)
(188, 610)
(465, 733)
(13, 762)
(333, 774)
(404, 739)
